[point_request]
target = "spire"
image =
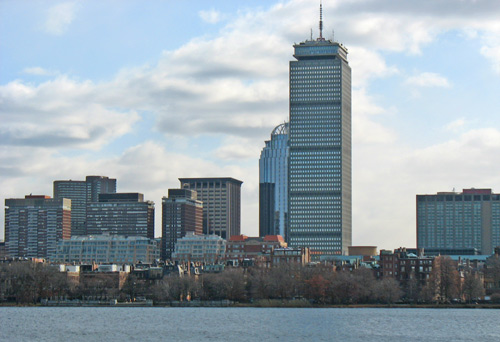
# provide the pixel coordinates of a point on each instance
(321, 21)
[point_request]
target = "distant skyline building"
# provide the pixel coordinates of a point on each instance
(34, 225)
(200, 248)
(319, 178)
(81, 193)
(454, 221)
(221, 199)
(122, 214)
(181, 213)
(273, 183)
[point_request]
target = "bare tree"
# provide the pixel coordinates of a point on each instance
(387, 291)
(472, 286)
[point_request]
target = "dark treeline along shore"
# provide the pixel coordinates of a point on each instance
(26, 282)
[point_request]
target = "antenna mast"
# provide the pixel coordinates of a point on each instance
(321, 21)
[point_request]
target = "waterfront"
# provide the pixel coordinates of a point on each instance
(247, 324)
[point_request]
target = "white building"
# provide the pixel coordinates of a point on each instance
(203, 248)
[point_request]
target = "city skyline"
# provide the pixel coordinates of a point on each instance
(150, 93)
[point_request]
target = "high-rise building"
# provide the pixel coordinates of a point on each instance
(273, 183)
(122, 214)
(319, 177)
(181, 213)
(35, 224)
(454, 221)
(81, 193)
(221, 199)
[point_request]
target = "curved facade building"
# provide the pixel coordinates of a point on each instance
(273, 183)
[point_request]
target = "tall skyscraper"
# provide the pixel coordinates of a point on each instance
(34, 225)
(181, 213)
(319, 178)
(122, 214)
(221, 199)
(81, 193)
(273, 183)
(455, 221)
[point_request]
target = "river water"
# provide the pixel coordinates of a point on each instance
(247, 324)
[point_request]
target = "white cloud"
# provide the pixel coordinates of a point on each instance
(211, 16)
(38, 71)
(428, 79)
(59, 17)
(456, 125)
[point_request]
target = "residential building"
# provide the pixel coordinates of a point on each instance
(221, 199)
(319, 169)
(240, 247)
(287, 255)
(406, 265)
(454, 221)
(81, 193)
(106, 248)
(273, 183)
(181, 213)
(35, 224)
(122, 214)
(200, 248)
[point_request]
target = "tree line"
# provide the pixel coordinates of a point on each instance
(27, 282)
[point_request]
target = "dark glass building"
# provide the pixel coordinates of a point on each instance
(122, 214)
(273, 183)
(319, 170)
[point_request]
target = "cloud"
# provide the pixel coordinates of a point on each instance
(428, 79)
(61, 114)
(211, 16)
(455, 125)
(59, 17)
(38, 71)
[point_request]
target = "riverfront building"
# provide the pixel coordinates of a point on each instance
(35, 224)
(221, 199)
(81, 193)
(122, 214)
(107, 249)
(181, 213)
(273, 183)
(200, 248)
(319, 177)
(459, 221)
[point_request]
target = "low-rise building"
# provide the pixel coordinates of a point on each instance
(404, 264)
(107, 249)
(298, 255)
(200, 248)
(240, 247)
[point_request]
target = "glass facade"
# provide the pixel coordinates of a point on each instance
(273, 183)
(319, 170)
(459, 220)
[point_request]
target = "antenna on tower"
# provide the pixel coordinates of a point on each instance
(311, 33)
(320, 21)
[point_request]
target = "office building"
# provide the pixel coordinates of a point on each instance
(81, 193)
(273, 183)
(459, 221)
(35, 224)
(200, 248)
(221, 199)
(107, 249)
(319, 178)
(122, 214)
(181, 213)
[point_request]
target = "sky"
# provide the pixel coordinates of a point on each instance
(150, 91)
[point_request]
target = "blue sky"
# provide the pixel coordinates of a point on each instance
(148, 92)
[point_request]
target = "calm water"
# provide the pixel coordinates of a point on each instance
(247, 324)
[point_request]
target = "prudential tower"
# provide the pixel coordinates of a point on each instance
(319, 170)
